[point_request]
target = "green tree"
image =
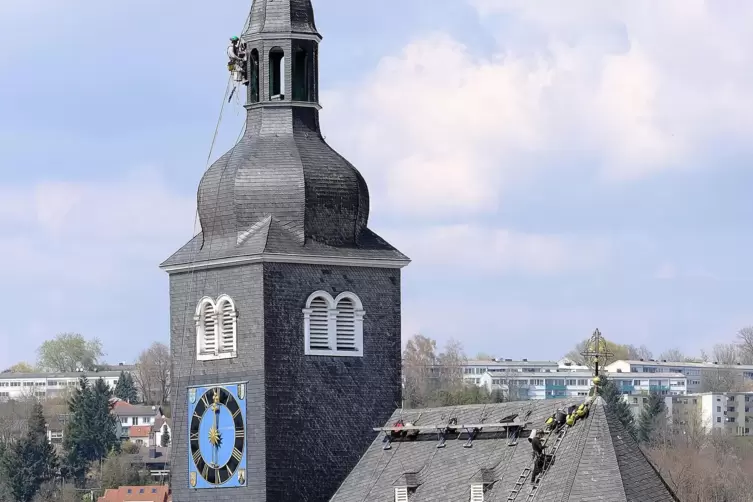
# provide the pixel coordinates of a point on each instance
(70, 352)
(650, 417)
(608, 390)
(165, 441)
(90, 434)
(125, 389)
(31, 462)
(21, 367)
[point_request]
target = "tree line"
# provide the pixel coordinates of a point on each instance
(91, 457)
(72, 352)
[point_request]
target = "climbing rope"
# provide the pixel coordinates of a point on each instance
(191, 278)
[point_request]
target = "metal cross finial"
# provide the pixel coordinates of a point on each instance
(597, 351)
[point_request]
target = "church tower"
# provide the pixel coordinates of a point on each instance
(285, 308)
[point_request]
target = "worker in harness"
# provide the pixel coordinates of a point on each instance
(560, 417)
(539, 457)
(236, 53)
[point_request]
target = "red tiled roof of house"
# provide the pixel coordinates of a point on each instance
(136, 493)
(139, 431)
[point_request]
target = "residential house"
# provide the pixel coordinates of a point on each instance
(155, 460)
(130, 415)
(162, 429)
(137, 494)
(141, 435)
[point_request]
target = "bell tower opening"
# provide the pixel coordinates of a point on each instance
(304, 70)
(276, 74)
(253, 67)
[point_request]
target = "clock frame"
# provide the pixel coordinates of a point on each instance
(217, 436)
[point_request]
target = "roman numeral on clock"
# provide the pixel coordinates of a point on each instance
(237, 454)
(197, 457)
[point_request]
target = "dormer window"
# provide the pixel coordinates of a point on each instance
(333, 326)
(401, 494)
(477, 492)
(216, 329)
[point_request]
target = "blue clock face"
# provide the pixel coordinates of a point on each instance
(217, 436)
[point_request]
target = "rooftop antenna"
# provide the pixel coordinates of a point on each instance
(598, 352)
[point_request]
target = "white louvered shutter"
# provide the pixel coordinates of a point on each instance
(227, 328)
(477, 493)
(346, 325)
(319, 324)
(209, 329)
(401, 494)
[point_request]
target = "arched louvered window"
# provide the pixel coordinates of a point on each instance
(333, 327)
(206, 329)
(346, 324)
(216, 329)
(227, 325)
(319, 324)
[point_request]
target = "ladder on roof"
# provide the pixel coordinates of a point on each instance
(519, 485)
(553, 451)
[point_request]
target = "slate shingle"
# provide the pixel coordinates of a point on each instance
(597, 460)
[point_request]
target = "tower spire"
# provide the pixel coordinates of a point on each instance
(282, 44)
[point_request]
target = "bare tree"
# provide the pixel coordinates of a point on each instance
(641, 352)
(722, 380)
(575, 355)
(153, 374)
(700, 466)
(745, 344)
(673, 355)
(726, 353)
(420, 371)
(451, 363)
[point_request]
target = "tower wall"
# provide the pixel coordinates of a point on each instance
(245, 286)
(321, 409)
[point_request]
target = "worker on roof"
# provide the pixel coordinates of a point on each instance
(236, 53)
(549, 424)
(571, 418)
(560, 417)
(539, 456)
(582, 411)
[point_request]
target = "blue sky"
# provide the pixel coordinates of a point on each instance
(549, 169)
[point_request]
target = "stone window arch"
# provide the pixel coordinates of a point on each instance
(333, 326)
(216, 328)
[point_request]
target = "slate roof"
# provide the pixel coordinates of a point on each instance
(123, 409)
(293, 16)
(597, 460)
(269, 237)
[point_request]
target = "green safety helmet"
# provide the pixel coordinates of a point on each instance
(234, 39)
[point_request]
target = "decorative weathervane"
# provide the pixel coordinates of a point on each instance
(597, 351)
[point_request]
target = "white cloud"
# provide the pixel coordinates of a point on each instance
(91, 232)
(635, 87)
(486, 250)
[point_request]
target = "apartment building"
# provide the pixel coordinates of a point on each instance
(728, 411)
(18, 386)
(474, 370)
(694, 372)
(549, 385)
(525, 385)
